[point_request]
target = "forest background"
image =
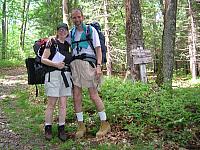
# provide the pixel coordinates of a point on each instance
(147, 116)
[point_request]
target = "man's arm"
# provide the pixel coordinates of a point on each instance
(98, 55)
(99, 60)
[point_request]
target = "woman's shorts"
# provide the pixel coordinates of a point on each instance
(55, 86)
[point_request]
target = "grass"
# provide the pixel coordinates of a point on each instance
(152, 117)
(11, 63)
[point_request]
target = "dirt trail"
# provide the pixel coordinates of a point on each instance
(10, 78)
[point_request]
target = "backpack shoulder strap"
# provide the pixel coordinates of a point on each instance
(89, 32)
(54, 48)
(72, 34)
(89, 37)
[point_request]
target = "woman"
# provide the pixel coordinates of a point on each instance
(57, 82)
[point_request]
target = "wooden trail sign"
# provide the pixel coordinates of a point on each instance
(141, 57)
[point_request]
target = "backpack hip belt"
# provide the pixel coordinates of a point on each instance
(65, 69)
(86, 57)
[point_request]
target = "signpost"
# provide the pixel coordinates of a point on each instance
(141, 57)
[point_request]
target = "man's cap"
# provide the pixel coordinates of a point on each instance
(62, 25)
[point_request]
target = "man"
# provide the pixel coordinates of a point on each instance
(86, 72)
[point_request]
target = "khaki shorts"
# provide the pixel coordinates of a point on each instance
(56, 86)
(83, 74)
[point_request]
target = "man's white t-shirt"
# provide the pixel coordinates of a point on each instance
(88, 50)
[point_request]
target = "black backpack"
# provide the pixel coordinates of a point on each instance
(39, 47)
(35, 69)
(96, 25)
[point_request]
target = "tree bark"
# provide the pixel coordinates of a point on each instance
(109, 59)
(192, 42)
(134, 34)
(4, 30)
(168, 43)
(22, 25)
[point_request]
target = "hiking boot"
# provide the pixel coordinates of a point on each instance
(61, 133)
(104, 129)
(48, 132)
(81, 130)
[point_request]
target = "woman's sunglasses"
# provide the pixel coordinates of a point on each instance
(62, 30)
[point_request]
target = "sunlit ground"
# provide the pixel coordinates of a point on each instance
(185, 83)
(10, 82)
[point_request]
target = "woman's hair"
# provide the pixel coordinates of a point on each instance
(61, 25)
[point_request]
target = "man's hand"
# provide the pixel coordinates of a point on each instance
(98, 72)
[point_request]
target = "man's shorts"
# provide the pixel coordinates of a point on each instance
(56, 86)
(83, 74)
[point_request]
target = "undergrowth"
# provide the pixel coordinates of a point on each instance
(153, 117)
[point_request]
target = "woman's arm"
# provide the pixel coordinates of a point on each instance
(48, 62)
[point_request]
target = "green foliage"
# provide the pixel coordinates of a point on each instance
(46, 16)
(152, 21)
(123, 96)
(117, 28)
(165, 110)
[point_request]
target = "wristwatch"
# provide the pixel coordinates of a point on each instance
(99, 65)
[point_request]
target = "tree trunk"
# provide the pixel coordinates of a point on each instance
(168, 43)
(134, 34)
(192, 42)
(22, 26)
(25, 22)
(4, 29)
(159, 79)
(109, 60)
(65, 11)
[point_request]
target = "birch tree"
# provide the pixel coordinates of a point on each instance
(192, 42)
(109, 60)
(24, 23)
(65, 11)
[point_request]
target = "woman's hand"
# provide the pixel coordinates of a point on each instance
(60, 65)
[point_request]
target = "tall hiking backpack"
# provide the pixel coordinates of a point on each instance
(97, 26)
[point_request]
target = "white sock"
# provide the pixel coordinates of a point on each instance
(60, 124)
(102, 115)
(79, 116)
(47, 124)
